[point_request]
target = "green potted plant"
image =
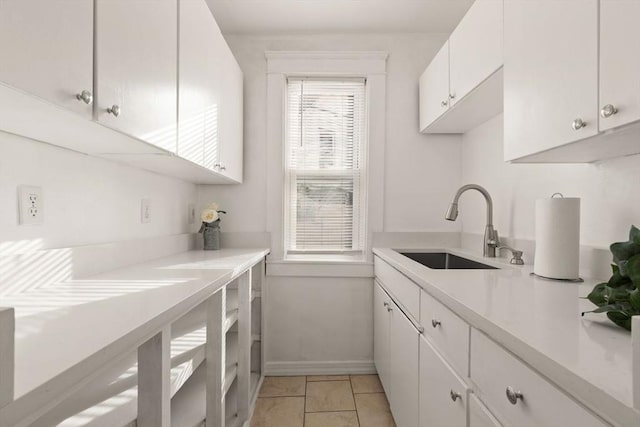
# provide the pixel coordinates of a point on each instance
(620, 296)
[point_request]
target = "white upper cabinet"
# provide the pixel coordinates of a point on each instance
(136, 68)
(475, 48)
(47, 50)
(434, 88)
(551, 74)
(462, 87)
(619, 63)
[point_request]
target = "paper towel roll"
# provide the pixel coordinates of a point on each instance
(557, 238)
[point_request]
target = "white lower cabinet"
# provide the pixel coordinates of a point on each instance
(381, 324)
(404, 339)
(443, 395)
(519, 396)
(479, 415)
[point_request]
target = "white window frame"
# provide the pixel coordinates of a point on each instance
(360, 182)
(280, 66)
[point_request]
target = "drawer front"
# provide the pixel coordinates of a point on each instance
(493, 369)
(448, 332)
(404, 290)
(443, 395)
(479, 415)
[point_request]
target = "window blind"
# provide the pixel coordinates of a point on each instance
(325, 156)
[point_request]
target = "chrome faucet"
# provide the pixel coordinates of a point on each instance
(490, 235)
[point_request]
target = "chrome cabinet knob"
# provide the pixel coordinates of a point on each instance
(223, 168)
(85, 96)
(444, 103)
(435, 323)
(452, 96)
(578, 124)
(455, 395)
(114, 109)
(513, 396)
(608, 111)
(385, 304)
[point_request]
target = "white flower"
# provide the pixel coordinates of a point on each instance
(209, 215)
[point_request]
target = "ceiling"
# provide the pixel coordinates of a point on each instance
(337, 16)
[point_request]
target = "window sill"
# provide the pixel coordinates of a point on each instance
(312, 266)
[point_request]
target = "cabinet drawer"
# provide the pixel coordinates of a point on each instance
(448, 332)
(479, 415)
(443, 395)
(493, 369)
(404, 290)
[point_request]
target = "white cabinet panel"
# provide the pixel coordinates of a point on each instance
(475, 47)
(479, 415)
(550, 73)
(403, 368)
(399, 286)
(493, 370)
(620, 61)
(47, 49)
(381, 325)
(136, 68)
(434, 88)
(448, 332)
(443, 395)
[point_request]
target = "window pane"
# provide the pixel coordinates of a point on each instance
(325, 142)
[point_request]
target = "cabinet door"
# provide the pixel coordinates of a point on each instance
(230, 107)
(136, 68)
(403, 369)
(197, 105)
(434, 88)
(619, 61)
(550, 74)
(47, 49)
(475, 47)
(381, 319)
(443, 395)
(479, 415)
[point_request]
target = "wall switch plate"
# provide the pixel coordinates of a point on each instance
(145, 211)
(191, 213)
(30, 205)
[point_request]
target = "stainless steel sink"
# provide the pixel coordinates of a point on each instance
(446, 261)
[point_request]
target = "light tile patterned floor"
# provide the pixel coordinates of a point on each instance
(322, 401)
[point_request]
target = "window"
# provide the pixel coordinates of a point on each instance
(325, 194)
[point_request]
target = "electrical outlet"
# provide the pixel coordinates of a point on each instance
(145, 211)
(31, 206)
(191, 213)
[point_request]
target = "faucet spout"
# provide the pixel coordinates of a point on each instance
(490, 235)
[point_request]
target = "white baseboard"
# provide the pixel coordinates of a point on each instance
(320, 368)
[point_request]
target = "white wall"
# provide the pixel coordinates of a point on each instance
(421, 172)
(320, 324)
(609, 190)
(86, 200)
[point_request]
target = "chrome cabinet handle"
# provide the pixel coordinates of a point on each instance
(455, 395)
(444, 103)
(114, 109)
(435, 323)
(578, 124)
(85, 96)
(608, 111)
(513, 396)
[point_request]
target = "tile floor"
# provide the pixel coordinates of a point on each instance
(322, 401)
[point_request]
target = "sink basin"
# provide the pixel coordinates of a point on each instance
(446, 261)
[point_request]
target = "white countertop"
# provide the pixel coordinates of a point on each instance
(77, 324)
(538, 320)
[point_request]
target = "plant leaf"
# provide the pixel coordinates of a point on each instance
(599, 294)
(634, 235)
(622, 251)
(621, 319)
(633, 269)
(618, 279)
(634, 299)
